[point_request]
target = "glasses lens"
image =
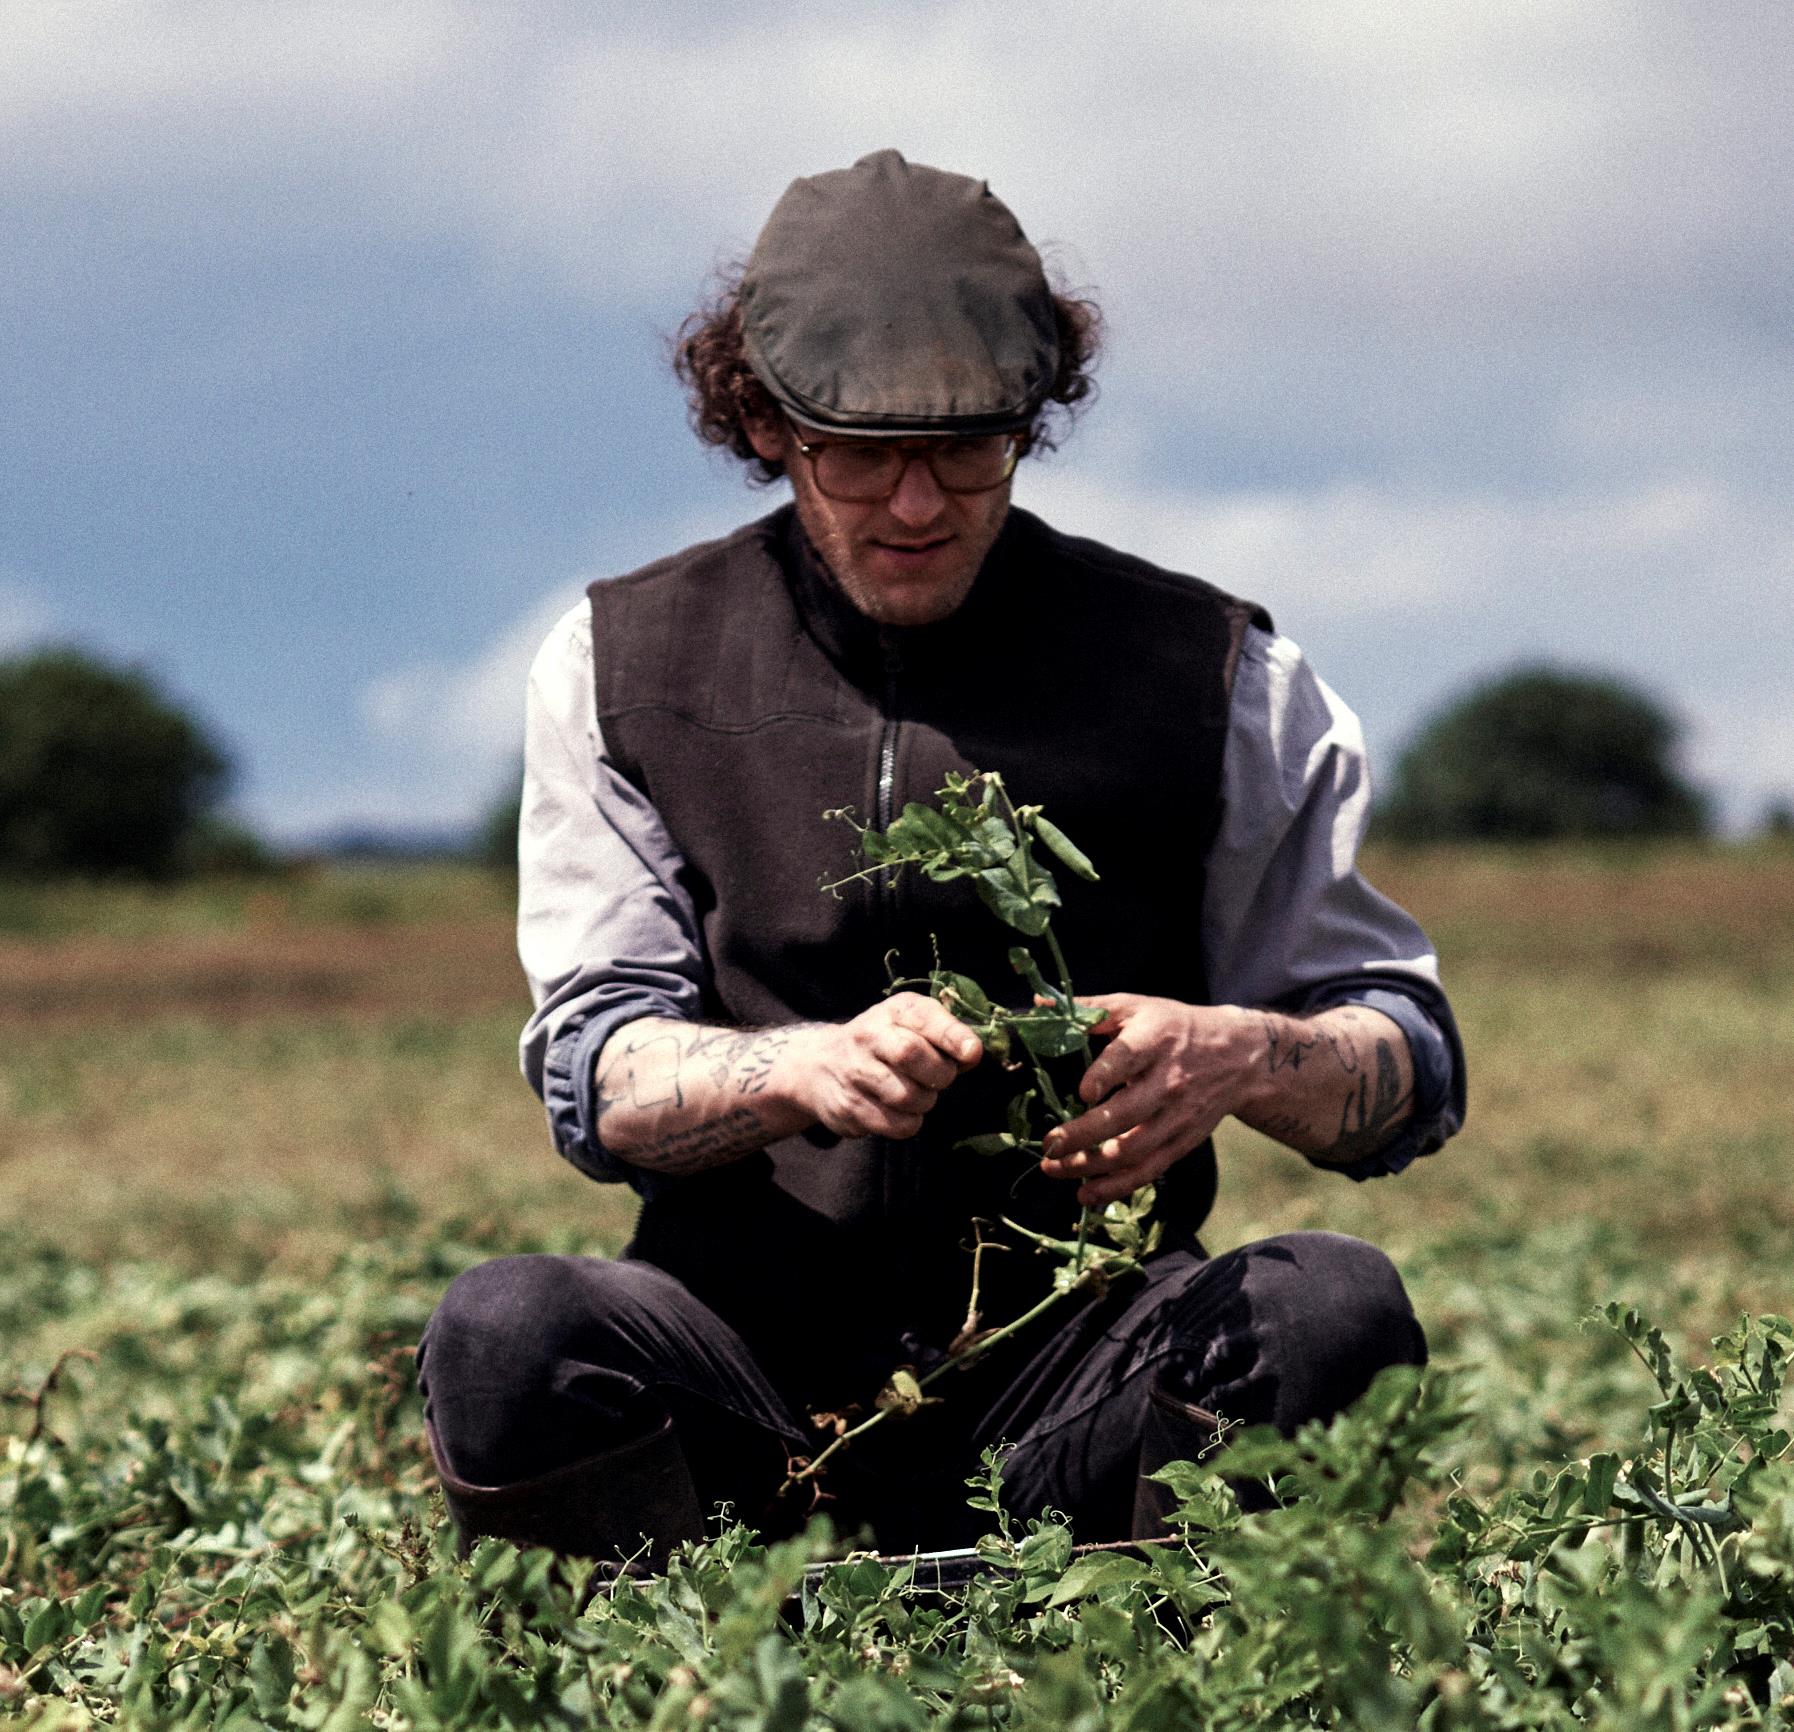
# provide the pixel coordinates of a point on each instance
(970, 465)
(858, 471)
(867, 470)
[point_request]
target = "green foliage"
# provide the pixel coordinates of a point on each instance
(977, 834)
(1542, 754)
(495, 836)
(226, 1518)
(100, 773)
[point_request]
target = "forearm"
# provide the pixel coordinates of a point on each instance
(679, 1097)
(1336, 1085)
(676, 1097)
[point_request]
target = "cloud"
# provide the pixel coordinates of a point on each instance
(470, 712)
(1469, 329)
(458, 725)
(1351, 549)
(1384, 166)
(1742, 743)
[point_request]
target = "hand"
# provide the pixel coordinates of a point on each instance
(880, 1074)
(1170, 1073)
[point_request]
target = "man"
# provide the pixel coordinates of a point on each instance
(715, 1031)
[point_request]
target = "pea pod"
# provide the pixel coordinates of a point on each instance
(1063, 849)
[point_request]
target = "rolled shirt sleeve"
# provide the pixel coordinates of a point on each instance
(605, 930)
(1288, 920)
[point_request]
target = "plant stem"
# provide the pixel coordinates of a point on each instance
(954, 1362)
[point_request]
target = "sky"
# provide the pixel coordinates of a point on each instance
(334, 336)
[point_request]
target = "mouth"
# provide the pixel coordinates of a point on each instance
(911, 552)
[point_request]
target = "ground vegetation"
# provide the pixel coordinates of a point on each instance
(249, 1131)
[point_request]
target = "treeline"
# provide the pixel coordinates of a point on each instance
(102, 774)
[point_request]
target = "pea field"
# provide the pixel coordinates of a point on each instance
(249, 1132)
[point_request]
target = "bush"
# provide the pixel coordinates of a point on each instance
(100, 774)
(495, 836)
(1543, 754)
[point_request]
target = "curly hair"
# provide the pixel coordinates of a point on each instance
(723, 394)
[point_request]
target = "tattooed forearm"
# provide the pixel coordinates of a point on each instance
(703, 1145)
(644, 1072)
(1337, 1085)
(674, 1097)
(1369, 1117)
(741, 1058)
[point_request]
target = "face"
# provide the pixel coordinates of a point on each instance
(906, 560)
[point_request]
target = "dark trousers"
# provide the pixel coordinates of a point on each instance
(533, 1363)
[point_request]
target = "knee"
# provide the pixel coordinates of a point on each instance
(1343, 1297)
(508, 1324)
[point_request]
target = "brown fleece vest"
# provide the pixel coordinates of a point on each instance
(742, 693)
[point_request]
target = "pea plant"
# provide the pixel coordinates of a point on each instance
(975, 832)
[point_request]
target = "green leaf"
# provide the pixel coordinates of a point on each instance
(1597, 1494)
(1088, 1575)
(995, 839)
(994, 1143)
(390, 1628)
(271, 1674)
(1048, 1032)
(998, 891)
(962, 995)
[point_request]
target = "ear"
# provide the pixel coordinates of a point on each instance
(768, 437)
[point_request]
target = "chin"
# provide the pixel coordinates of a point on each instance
(906, 604)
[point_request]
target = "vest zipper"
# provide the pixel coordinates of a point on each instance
(891, 1167)
(887, 745)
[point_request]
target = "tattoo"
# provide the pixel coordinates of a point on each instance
(631, 1076)
(1366, 1120)
(653, 1078)
(1283, 1050)
(748, 1056)
(1286, 1048)
(698, 1146)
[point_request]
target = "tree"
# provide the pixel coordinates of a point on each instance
(99, 772)
(495, 836)
(1540, 754)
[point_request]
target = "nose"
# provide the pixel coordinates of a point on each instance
(919, 497)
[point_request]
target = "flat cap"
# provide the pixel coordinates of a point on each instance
(897, 299)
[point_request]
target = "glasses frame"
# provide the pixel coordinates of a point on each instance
(1016, 440)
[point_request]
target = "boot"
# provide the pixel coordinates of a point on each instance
(602, 1507)
(1175, 1430)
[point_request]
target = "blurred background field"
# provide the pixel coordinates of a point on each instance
(246, 1076)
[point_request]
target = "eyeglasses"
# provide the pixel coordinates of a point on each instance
(868, 471)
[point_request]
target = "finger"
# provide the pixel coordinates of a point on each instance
(1125, 1181)
(898, 1127)
(1140, 1100)
(1117, 1004)
(1085, 1163)
(1120, 1064)
(1142, 1142)
(909, 1054)
(895, 1092)
(938, 1026)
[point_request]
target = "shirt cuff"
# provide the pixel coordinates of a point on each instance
(1437, 1112)
(569, 1088)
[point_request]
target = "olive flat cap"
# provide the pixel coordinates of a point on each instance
(897, 299)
